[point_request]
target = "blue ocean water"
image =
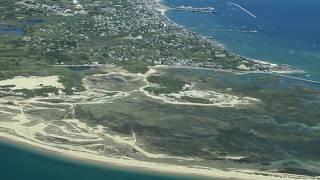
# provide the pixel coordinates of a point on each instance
(288, 31)
(21, 163)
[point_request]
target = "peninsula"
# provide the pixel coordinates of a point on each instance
(116, 82)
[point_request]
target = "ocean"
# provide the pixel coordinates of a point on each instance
(282, 31)
(19, 163)
(286, 31)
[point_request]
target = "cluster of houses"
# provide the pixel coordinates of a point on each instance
(129, 30)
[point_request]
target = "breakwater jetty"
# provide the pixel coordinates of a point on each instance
(243, 9)
(193, 9)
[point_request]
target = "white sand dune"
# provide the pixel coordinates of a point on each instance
(32, 82)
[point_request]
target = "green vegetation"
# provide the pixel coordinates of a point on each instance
(72, 82)
(111, 32)
(196, 100)
(166, 84)
(283, 127)
(135, 67)
(44, 91)
(26, 93)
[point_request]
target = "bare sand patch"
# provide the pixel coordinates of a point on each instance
(32, 82)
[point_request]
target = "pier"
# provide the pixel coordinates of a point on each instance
(193, 9)
(242, 8)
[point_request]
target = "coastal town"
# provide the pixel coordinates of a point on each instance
(122, 32)
(116, 82)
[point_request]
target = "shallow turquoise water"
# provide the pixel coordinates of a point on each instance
(288, 31)
(18, 163)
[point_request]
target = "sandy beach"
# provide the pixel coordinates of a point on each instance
(25, 136)
(135, 165)
(20, 130)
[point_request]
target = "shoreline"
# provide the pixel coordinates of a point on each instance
(161, 168)
(164, 9)
(159, 3)
(14, 142)
(142, 166)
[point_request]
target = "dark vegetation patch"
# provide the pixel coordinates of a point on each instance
(167, 84)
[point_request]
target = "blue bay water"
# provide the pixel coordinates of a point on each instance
(288, 31)
(21, 163)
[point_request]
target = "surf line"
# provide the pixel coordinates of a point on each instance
(242, 8)
(225, 30)
(297, 78)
